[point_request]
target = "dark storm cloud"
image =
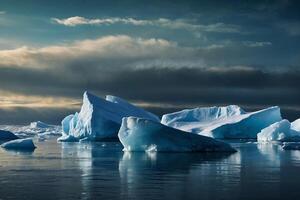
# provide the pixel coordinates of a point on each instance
(184, 85)
(24, 115)
(181, 88)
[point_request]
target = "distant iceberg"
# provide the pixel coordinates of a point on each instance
(34, 128)
(39, 124)
(280, 131)
(227, 122)
(100, 118)
(7, 135)
(137, 134)
(19, 144)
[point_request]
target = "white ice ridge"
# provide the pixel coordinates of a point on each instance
(227, 122)
(19, 144)
(279, 131)
(137, 134)
(100, 118)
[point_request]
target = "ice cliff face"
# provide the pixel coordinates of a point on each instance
(100, 118)
(223, 122)
(137, 134)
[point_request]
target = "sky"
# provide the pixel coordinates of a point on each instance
(161, 55)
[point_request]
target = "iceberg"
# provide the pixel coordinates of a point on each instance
(19, 144)
(137, 134)
(39, 124)
(100, 118)
(279, 131)
(228, 122)
(295, 125)
(7, 135)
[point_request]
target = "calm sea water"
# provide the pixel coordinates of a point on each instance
(102, 171)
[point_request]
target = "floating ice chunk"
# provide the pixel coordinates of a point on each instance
(100, 118)
(295, 125)
(138, 134)
(279, 131)
(7, 135)
(19, 144)
(223, 122)
(291, 146)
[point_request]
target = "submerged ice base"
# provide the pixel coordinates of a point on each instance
(100, 118)
(138, 134)
(230, 122)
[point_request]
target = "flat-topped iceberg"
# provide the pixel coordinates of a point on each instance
(279, 131)
(100, 118)
(227, 122)
(19, 144)
(7, 135)
(137, 134)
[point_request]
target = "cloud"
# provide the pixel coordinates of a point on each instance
(151, 72)
(118, 50)
(2, 12)
(257, 44)
(161, 22)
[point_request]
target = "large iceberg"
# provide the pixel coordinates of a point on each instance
(19, 144)
(7, 135)
(100, 118)
(227, 122)
(137, 134)
(280, 131)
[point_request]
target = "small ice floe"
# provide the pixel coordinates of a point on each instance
(19, 144)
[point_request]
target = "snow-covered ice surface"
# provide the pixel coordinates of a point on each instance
(7, 135)
(295, 125)
(39, 129)
(19, 144)
(137, 134)
(230, 122)
(279, 131)
(100, 118)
